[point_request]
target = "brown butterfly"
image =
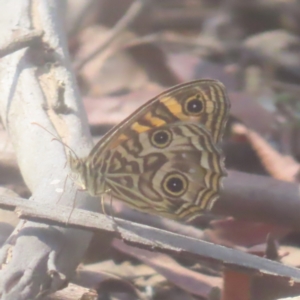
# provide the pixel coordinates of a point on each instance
(164, 159)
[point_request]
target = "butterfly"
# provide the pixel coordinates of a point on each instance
(164, 159)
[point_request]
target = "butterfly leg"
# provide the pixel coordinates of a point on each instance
(72, 209)
(102, 204)
(64, 188)
(111, 207)
(74, 204)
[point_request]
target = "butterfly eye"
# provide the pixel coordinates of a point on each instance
(193, 106)
(161, 138)
(174, 184)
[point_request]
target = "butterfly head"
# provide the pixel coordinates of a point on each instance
(78, 168)
(83, 175)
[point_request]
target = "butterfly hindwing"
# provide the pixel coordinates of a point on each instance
(174, 170)
(164, 158)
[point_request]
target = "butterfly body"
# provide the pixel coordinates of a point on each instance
(164, 159)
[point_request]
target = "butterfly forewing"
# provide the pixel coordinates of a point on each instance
(169, 107)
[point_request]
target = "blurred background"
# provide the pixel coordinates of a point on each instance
(250, 46)
(126, 52)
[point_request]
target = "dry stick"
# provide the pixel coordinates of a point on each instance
(287, 87)
(73, 291)
(29, 79)
(260, 198)
(251, 197)
(159, 222)
(279, 166)
(148, 237)
(129, 17)
(247, 197)
(190, 281)
(20, 41)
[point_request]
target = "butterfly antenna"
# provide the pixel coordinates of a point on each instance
(55, 138)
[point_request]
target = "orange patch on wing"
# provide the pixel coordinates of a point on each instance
(173, 105)
(156, 122)
(119, 140)
(139, 128)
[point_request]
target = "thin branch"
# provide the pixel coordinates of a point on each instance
(279, 166)
(247, 197)
(191, 281)
(287, 87)
(30, 81)
(73, 292)
(259, 198)
(129, 17)
(148, 237)
(19, 41)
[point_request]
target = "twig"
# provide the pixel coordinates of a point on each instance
(191, 281)
(287, 87)
(244, 196)
(27, 85)
(259, 198)
(129, 17)
(148, 237)
(19, 41)
(73, 292)
(280, 166)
